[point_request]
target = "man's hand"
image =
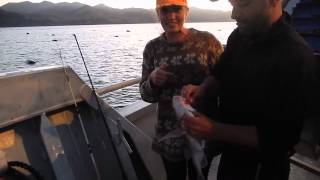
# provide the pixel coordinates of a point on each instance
(189, 92)
(201, 127)
(198, 126)
(160, 75)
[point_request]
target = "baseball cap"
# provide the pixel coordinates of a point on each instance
(161, 3)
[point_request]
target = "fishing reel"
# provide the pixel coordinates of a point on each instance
(15, 170)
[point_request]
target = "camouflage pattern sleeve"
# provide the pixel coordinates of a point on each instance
(206, 99)
(148, 91)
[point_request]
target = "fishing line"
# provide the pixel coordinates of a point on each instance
(89, 146)
(100, 109)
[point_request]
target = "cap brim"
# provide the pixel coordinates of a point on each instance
(172, 4)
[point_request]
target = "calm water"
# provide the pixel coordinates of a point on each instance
(113, 53)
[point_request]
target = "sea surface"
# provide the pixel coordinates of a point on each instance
(113, 53)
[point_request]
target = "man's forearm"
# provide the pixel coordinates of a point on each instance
(209, 87)
(206, 96)
(235, 134)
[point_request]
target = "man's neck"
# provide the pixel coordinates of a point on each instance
(275, 16)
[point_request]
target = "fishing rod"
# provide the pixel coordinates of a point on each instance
(89, 146)
(99, 107)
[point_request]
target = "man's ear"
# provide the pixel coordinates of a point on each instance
(158, 12)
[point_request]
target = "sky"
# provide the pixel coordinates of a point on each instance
(222, 5)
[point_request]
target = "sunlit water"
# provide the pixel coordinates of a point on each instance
(113, 53)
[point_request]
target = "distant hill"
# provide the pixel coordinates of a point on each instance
(10, 19)
(47, 13)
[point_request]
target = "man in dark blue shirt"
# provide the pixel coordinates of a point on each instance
(264, 81)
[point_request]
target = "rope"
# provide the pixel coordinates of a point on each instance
(13, 172)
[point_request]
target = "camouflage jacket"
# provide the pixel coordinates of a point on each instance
(190, 61)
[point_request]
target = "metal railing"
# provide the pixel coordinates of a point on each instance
(117, 86)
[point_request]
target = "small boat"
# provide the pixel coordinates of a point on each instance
(52, 122)
(50, 126)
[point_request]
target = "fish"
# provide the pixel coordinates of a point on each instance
(195, 147)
